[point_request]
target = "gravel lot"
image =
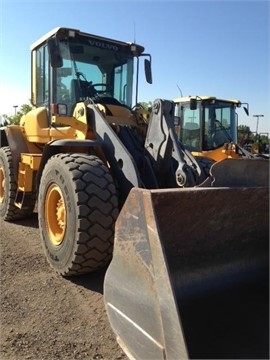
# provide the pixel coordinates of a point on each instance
(44, 316)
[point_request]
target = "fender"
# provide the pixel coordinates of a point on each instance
(56, 146)
(12, 136)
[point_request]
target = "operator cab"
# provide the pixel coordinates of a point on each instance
(69, 66)
(206, 123)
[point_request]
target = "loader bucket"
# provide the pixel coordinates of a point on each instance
(239, 172)
(189, 276)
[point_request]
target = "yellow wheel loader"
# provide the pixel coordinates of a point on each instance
(207, 126)
(188, 265)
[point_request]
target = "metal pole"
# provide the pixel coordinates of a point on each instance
(257, 125)
(15, 107)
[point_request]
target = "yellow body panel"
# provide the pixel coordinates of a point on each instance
(25, 178)
(66, 132)
(226, 152)
(76, 125)
(29, 163)
(32, 160)
(36, 125)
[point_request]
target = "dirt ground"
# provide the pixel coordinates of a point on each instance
(44, 316)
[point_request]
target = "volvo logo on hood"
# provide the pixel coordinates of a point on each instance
(103, 45)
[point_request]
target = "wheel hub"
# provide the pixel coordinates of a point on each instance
(55, 214)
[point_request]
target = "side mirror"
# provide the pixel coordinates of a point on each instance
(193, 103)
(148, 71)
(54, 53)
(246, 110)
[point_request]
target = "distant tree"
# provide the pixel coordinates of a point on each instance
(244, 134)
(15, 119)
(249, 139)
(146, 105)
(244, 129)
(263, 141)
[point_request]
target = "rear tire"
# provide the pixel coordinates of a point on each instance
(8, 189)
(77, 210)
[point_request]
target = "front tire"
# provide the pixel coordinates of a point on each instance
(77, 210)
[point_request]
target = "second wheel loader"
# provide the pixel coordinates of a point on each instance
(188, 266)
(208, 127)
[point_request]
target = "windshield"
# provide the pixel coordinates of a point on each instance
(96, 70)
(190, 128)
(220, 126)
(207, 127)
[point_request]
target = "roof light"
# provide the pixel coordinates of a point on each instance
(72, 33)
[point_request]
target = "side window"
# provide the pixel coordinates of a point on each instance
(223, 116)
(217, 127)
(122, 83)
(119, 86)
(190, 129)
(63, 83)
(42, 77)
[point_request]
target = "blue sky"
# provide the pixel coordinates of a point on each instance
(218, 48)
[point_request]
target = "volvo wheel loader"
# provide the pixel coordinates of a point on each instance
(207, 126)
(205, 123)
(187, 260)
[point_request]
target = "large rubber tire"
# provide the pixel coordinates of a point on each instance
(8, 189)
(77, 210)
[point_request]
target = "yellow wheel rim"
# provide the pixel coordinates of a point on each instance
(55, 214)
(2, 185)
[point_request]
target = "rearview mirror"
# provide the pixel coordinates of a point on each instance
(148, 71)
(246, 110)
(193, 103)
(54, 53)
